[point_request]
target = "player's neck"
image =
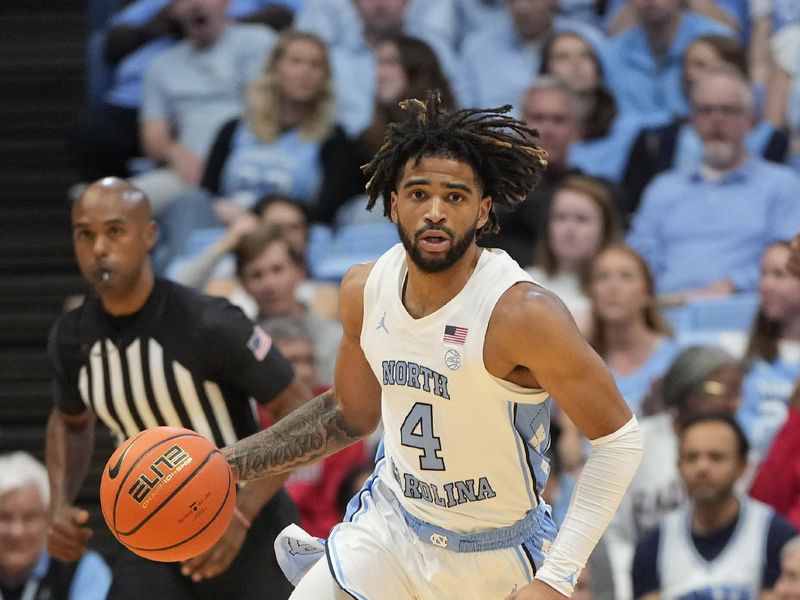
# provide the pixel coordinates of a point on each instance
(711, 517)
(425, 293)
(129, 301)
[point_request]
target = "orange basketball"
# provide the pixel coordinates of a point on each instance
(167, 494)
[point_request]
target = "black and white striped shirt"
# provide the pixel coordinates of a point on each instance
(184, 359)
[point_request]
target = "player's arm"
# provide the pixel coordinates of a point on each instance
(532, 332)
(250, 501)
(333, 420)
(68, 453)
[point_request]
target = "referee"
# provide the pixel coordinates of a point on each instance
(145, 352)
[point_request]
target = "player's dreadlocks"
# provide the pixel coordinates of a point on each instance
(497, 147)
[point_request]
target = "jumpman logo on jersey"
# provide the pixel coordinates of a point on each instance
(382, 324)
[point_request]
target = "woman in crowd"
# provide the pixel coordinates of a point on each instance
(773, 350)
(607, 133)
(287, 143)
(627, 329)
(581, 222)
(407, 67)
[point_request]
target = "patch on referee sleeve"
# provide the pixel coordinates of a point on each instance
(259, 343)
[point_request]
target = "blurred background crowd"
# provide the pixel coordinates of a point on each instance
(663, 221)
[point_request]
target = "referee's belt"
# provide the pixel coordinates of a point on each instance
(478, 541)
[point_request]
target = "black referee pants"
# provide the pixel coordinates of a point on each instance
(253, 575)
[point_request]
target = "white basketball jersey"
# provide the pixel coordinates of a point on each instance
(733, 575)
(464, 450)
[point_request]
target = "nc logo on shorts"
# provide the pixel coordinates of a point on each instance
(438, 539)
(452, 359)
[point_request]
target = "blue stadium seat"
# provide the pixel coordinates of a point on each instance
(353, 244)
(734, 313)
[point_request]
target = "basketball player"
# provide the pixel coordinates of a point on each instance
(144, 352)
(721, 545)
(459, 352)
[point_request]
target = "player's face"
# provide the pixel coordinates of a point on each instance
(301, 71)
(618, 287)
(111, 241)
(23, 529)
(778, 290)
(572, 61)
(575, 227)
(300, 352)
(709, 462)
(438, 207)
(271, 279)
(788, 585)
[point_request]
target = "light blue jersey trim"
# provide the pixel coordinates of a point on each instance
(480, 541)
(522, 453)
(526, 563)
(335, 567)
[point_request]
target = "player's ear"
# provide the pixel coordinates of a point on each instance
(393, 207)
(483, 211)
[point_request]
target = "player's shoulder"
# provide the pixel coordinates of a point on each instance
(526, 304)
(351, 295)
(355, 279)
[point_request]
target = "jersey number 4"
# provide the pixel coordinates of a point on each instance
(417, 432)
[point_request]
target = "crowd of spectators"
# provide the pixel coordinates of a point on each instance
(672, 129)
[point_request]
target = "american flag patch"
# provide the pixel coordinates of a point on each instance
(259, 343)
(454, 334)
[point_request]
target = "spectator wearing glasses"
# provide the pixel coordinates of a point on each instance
(727, 209)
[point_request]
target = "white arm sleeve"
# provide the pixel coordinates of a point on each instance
(598, 491)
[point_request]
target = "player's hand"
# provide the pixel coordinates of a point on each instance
(68, 535)
(536, 590)
(216, 560)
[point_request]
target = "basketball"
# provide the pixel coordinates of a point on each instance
(167, 494)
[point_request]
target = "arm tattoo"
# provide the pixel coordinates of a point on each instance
(308, 434)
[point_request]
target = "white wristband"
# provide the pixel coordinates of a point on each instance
(598, 492)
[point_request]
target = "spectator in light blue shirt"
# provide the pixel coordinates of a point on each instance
(645, 61)
(500, 61)
(703, 230)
